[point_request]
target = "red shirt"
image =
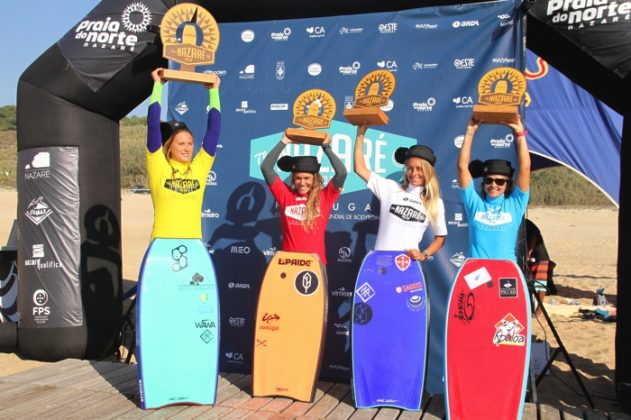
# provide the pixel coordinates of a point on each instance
(292, 210)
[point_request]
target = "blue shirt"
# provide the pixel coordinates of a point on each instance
(494, 222)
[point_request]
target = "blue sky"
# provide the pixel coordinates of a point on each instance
(30, 27)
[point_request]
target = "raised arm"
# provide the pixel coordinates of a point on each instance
(464, 175)
(338, 166)
(154, 137)
(213, 125)
(360, 167)
(267, 166)
(522, 180)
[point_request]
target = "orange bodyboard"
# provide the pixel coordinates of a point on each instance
(290, 327)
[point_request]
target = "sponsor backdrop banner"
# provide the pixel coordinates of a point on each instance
(437, 56)
(50, 240)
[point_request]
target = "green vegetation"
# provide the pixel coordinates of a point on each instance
(558, 186)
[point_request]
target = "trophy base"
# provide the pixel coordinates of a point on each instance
(368, 115)
(495, 114)
(300, 135)
(189, 76)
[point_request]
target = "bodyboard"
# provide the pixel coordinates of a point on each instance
(390, 331)
(177, 322)
(290, 327)
(487, 341)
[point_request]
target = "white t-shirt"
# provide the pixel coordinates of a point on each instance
(402, 217)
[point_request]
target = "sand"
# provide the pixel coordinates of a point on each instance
(583, 242)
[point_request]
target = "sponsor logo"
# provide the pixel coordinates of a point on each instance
(211, 179)
(314, 69)
(388, 28)
(426, 106)
(113, 34)
(248, 72)
(458, 221)
(387, 64)
(247, 36)
(269, 252)
(233, 285)
(342, 292)
(463, 101)
(503, 60)
(282, 36)
(240, 249)
(236, 321)
(280, 70)
(40, 311)
(245, 108)
(350, 70)
(234, 357)
(457, 259)
(344, 30)
(493, 217)
(269, 322)
(464, 63)
(466, 306)
(279, 107)
(365, 292)
(416, 302)
(37, 259)
(362, 314)
(38, 210)
(344, 254)
(507, 332)
(182, 185)
(402, 261)
(316, 31)
(179, 258)
(508, 287)
(411, 287)
(294, 261)
(458, 140)
(424, 66)
(340, 368)
(207, 336)
(209, 214)
(578, 14)
(39, 168)
(342, 329)
(502, 143)
(477, 278)
(205, 323)
(465, 24)
(307, 283)
(426, 26)
(407, 213)
(181, 108)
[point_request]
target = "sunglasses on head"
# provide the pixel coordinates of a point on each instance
(498, 181)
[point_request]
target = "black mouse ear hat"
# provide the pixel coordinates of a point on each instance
(402, 154)
(299, 164)
(477, 168)
(169, 128)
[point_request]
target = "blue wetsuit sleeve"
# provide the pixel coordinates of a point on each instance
(154, 138)
(213, 128)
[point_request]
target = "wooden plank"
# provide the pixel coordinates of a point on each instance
(278, 405)
(192, 412)
(387, 413)
(410, 415)
(111, 380)
(216, 413)
(530, 412)
(46, 371)
(38, 407)
(571, 414)
(299, 408)
(434, 408)
(548, 412)
(344, 409)
(364, 413)
(18, 394)
(67, 407)
(329, 401)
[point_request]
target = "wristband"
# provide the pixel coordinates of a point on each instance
(425, 254)
(522, 133)
(326, 146)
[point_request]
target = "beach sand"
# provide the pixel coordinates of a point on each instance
(582, 242)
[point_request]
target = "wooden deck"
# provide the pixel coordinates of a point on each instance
(82, 389)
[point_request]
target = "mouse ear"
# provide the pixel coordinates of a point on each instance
(285, 163)
(400, 154)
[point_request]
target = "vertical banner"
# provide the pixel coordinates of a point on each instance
(48, 213)
(437, 56)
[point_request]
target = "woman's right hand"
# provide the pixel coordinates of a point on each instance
(472, 126)
(157, 75)
(361, 129)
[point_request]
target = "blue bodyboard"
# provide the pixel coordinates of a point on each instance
(390, 331)
(177, 322)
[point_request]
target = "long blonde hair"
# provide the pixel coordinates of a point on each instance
(166, 149)
(431, 190)
(312, 211)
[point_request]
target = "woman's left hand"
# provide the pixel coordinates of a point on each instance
(415, 254)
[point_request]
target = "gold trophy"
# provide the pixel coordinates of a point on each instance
(373, 91)
(313, 109)
(501, 91)
(190, 37)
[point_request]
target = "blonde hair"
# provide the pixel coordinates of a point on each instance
(431, 190)
(166, 149)
(312, 211)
